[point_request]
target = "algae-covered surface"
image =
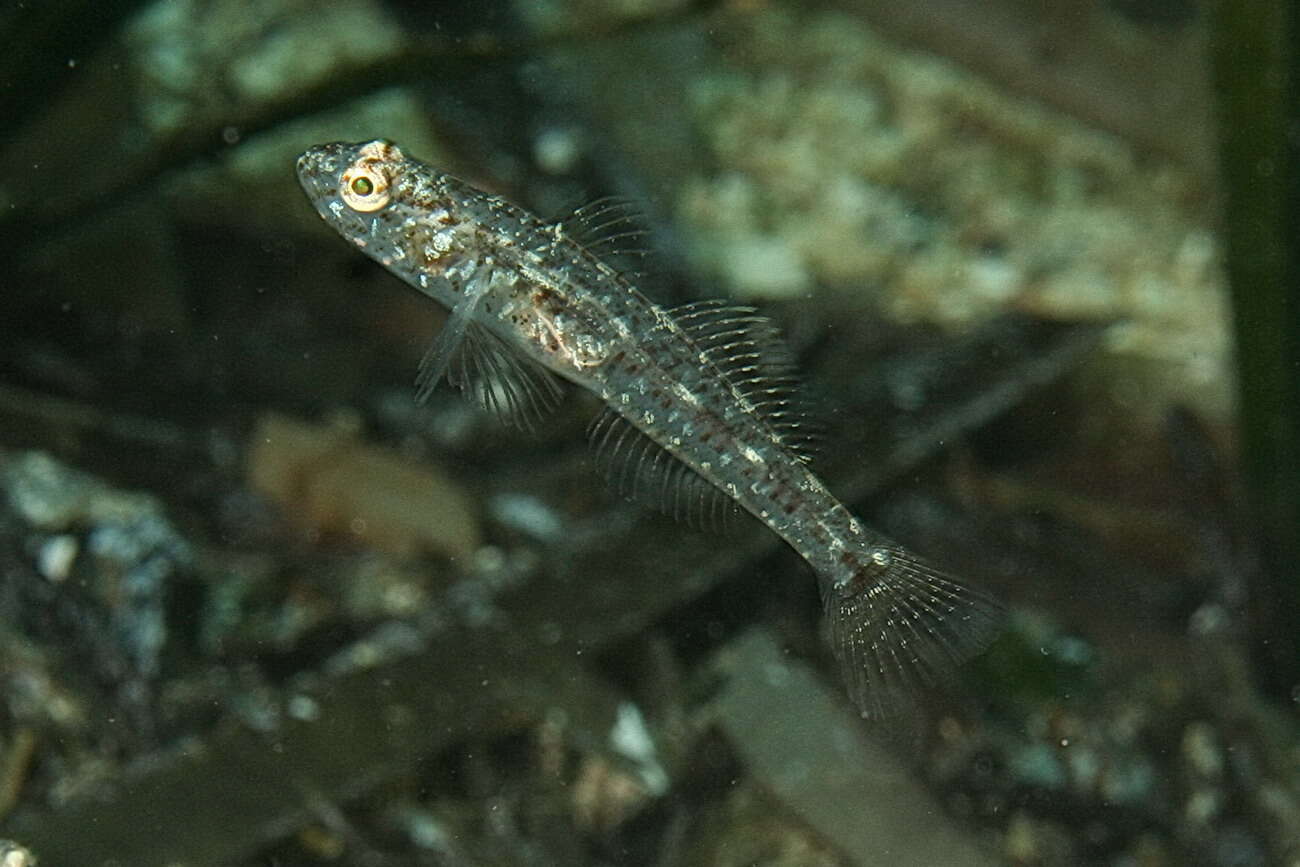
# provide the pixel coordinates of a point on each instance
(259, 606)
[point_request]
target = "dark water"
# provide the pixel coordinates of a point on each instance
(261, 607)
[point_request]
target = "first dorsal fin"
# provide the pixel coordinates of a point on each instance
(613, 229)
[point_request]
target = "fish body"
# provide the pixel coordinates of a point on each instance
(700, 409)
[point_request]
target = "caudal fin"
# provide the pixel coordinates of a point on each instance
(899, 624)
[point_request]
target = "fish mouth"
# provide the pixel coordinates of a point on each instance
(319, 169)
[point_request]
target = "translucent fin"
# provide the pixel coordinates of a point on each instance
(899, 625)
(747, 348)
(611, 228)
(517, 390)
(451, 338)
(639, 468)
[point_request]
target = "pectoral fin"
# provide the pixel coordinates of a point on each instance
(517, 390)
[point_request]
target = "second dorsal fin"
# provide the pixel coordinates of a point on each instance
(747, 351)
(747, 348)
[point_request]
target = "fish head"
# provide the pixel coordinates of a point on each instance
(397, 210)
(352, 185)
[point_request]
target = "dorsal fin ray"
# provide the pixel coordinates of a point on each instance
(611, 228)
(747, 348)
(517, 390)
(640, 469)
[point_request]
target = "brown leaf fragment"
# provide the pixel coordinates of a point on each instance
(329, 481)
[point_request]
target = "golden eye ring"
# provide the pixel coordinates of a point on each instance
(363, 188)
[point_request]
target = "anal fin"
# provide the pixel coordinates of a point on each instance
(640, 469)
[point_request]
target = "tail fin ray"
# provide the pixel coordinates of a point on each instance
(899, 625)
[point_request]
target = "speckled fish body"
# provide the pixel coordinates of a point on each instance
(695, 393)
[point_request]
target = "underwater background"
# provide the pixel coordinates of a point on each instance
(259, 606)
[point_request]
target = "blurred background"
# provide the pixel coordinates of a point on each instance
(259, 607)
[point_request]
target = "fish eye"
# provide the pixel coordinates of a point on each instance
(363, 188)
